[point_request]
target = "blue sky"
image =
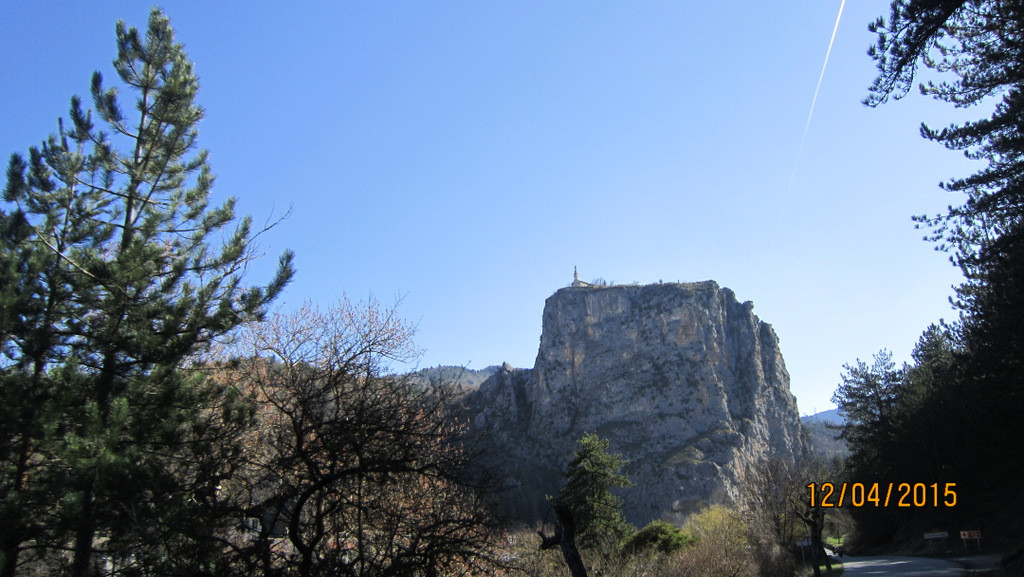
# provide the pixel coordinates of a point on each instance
(466, 155)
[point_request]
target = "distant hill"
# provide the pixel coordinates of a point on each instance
(823, 439)
(468, 379)
(832, 417)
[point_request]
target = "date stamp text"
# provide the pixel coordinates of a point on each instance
(918, 495)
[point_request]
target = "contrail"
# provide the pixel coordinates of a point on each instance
(814, 101)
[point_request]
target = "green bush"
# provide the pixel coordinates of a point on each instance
(664, 537)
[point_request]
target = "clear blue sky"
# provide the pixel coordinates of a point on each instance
(467, 155)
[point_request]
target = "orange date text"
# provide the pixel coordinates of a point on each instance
(830, 495)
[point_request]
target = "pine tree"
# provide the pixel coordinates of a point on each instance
(24, 385)
(112, 282)
(976, 49)
(975, 53)
(867, 400)
(597, 512)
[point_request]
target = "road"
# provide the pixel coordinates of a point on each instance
(901, 566)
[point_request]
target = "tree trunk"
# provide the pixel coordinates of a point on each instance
(15, 531)
(10, 552)
(84, 535)
(565, 537)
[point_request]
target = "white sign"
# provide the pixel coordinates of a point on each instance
(937, 535)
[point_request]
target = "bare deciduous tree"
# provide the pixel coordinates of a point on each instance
(350, 471)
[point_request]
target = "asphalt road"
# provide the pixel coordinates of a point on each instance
(902, 566)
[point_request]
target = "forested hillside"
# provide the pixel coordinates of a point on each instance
(823, 431)
(465, 378)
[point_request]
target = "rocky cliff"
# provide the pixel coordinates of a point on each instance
(685, 381)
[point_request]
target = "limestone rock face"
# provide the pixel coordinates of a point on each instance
(685, 381)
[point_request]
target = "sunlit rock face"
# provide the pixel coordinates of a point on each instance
(683, 379)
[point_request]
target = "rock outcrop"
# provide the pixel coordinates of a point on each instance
(685, 381)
